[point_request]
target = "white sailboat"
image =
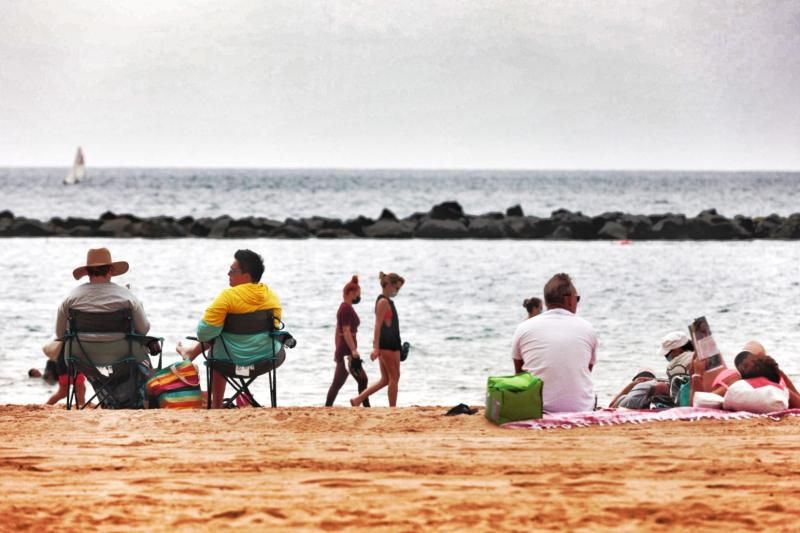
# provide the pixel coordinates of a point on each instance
(78, 170)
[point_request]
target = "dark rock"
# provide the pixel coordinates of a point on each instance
(638, 226)
(334, 233)
(241, 232)
(28, 227)
(6, 214)
(515, 211)
(580, 226)
(746, 223)
(442, 229)
(356, 225)
(710, 226)
(613, 230)
(291, 231)
(201, 227)
(447, 211)
(387, 215)
(528, 227)
(562, 232)
(315, 224)
(219, 227)
(159, 228)
(72, 222)
(790, 229)
(671, 227)
(81, 231)
(767, 228)
(488, 228)
(389, 229)
(115, 227)
(186, 221)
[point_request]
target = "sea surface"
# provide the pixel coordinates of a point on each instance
(458, 309)
(462, 299)
(278, 194)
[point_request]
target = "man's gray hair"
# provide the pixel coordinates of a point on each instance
(559, 287)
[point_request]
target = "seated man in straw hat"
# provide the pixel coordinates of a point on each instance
(99, 295)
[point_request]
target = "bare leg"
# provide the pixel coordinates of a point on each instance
(80, 392)
(218, 390)
(60, 394)
(374, 388)
(391, 360)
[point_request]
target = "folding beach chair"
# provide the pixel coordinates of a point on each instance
(239, 372)
(113, 357)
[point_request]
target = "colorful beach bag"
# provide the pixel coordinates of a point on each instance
(175, 387)
(510, 398)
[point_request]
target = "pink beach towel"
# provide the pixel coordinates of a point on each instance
(608, 417)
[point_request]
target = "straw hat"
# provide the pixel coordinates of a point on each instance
(100, 257)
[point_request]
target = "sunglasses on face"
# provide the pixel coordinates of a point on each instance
(233, 271)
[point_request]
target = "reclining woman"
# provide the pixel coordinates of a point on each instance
(386, 344)
(763, 386)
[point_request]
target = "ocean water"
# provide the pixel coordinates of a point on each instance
(458, 309)
(278, 194)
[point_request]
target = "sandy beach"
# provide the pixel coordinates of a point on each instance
(391, 470)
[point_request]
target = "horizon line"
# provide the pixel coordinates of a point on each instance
(411, 168)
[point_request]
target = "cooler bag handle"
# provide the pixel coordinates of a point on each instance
(185, 381)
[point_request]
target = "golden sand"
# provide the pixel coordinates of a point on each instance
(406, 469)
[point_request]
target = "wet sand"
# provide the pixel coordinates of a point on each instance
(407, 469)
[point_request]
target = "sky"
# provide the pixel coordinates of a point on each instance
(555, 84)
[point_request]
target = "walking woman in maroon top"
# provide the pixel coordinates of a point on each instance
(386, 344)
(347, 323)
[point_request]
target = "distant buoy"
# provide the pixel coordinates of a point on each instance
(623, 242)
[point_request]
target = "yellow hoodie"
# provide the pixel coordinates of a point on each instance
(244, 298)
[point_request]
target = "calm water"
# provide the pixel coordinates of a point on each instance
(460, 305)
(279, 194)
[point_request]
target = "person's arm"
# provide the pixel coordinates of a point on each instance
(380, 314)
(213, 320)
(140, 322)
(516, 353)
(350, 341)
(788, 382)
(61, 321)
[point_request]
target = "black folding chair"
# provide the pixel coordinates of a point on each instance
(240, 375)
(113, 357)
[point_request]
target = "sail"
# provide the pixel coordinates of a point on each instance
(78, 170)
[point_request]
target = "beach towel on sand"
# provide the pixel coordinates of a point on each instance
(608, 417)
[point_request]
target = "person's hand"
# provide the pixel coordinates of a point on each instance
(375, 354)
(355, 355)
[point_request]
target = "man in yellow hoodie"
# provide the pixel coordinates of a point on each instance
(245, 295)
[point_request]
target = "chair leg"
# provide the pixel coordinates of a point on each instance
(70, 389)
(209, 384)
(273, 387)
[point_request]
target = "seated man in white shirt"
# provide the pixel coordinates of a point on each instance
(560, 348)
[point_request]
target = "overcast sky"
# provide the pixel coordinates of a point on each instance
(402, 83)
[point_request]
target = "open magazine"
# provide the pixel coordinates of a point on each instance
(705, 348)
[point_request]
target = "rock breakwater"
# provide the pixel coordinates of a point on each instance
(444, 221)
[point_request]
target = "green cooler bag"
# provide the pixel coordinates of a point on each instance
(510, 398)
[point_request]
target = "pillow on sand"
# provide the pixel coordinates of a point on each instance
(742, 396)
